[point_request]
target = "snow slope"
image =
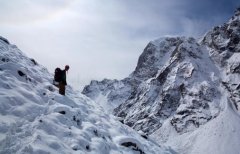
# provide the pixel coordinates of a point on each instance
(218, 136)
(35, 119)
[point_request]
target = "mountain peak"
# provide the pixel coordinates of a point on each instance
(237, 12)
(159, 51)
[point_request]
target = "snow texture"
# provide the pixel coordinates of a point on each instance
(35, 119)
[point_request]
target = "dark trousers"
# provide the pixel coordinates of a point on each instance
(62, 88)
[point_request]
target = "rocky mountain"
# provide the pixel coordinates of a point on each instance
(35, 119)
(223, 43)
(184, 92)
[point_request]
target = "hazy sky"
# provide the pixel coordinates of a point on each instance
(102, 38)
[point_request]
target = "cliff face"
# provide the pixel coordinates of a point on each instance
(175, 79)
(223, 43)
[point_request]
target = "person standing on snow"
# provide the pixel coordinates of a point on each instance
(63, 82)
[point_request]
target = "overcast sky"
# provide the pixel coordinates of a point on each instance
(103, 38)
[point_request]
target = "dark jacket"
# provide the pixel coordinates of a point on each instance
(64, 77)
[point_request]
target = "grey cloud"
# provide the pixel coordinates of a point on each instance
(17, 12)
(103, 38)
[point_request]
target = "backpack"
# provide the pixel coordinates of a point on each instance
(58, 75)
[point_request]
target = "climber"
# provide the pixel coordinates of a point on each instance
(60, 79)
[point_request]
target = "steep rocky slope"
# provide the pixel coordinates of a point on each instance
(223, 43)
(182, 88)
(174, 79)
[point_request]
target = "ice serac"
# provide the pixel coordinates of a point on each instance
(35, 119)
(184, 92)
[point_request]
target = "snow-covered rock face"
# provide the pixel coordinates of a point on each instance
(177, 80)
(154, 57)
(34, 118)
(109, 93)
(224, 46)
(223, 42)
(181, 89)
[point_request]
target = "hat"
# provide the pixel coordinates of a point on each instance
(67, 67)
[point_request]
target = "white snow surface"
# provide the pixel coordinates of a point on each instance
(35, 119)
(219, 136)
